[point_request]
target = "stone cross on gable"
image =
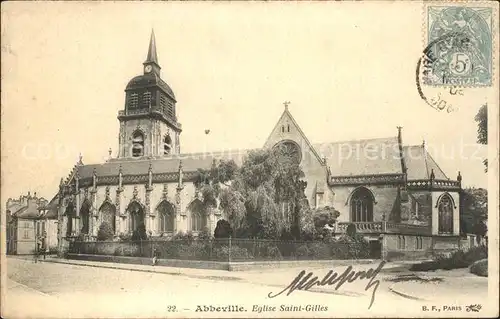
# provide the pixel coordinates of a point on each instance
(286, 103)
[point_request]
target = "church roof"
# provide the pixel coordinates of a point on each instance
(348, 158)
(191, 162)
(420, 163)
(149, 80)
(362, 157)
(52, 208)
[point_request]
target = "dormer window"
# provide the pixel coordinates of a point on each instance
(133, 100)
(167, 145)
(137, 144)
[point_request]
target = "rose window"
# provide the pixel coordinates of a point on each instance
(289, 149)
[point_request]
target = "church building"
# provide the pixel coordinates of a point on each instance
(396, 195)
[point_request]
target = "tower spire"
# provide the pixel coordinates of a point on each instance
(152, 56)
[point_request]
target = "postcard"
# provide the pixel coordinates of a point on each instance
(250, 159)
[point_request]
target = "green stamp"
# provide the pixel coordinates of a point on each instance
(459, 46)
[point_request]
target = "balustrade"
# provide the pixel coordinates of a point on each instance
(385, 227)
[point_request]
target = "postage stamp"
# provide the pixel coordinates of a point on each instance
(459, 46)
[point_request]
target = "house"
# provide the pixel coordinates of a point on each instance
(28, 219)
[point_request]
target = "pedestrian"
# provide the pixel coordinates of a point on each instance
(43, 247)
(155, 256)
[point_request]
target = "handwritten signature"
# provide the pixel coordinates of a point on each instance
(305, 282)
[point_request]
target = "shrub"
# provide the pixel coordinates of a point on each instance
(320, 250)
(351, 230)
(222, 253)
(223, 229)
(480, 268)
(204, 235)
(140, 233)
(184, 237)
(303, 251)
(274, 253)
(476, 253)
(193, 251)
(357, 247)
(105, 232)
(130, 250)
(457, 259)
(124, 237)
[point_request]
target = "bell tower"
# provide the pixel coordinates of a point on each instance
(148, 122)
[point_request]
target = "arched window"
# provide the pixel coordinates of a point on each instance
(166, 216)
(445, 212)
(136, 215)
(85, 218)
(167, 145)
(107, 214)
(198, 216)
(137, 144)
(362, 205)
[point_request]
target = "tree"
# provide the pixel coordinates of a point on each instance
(273, 189)
(223, 229)
(210, 182)
(140, 233)
(482, 128)
(474, 211)
(262, 199)
(313, 221)
(105, 232)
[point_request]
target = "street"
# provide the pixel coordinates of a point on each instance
(51, 290)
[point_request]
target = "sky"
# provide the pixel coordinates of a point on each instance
(348, 72)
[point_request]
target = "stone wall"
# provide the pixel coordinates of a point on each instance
(421, 202)
(154, 132)
(385, 198)
(392, 251)
(179, 199)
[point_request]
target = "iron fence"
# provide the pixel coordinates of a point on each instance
(226, 249)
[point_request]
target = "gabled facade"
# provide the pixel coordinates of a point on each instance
(28, 224)
(396, 195)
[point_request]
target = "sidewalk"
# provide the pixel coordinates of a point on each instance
(457, 285)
